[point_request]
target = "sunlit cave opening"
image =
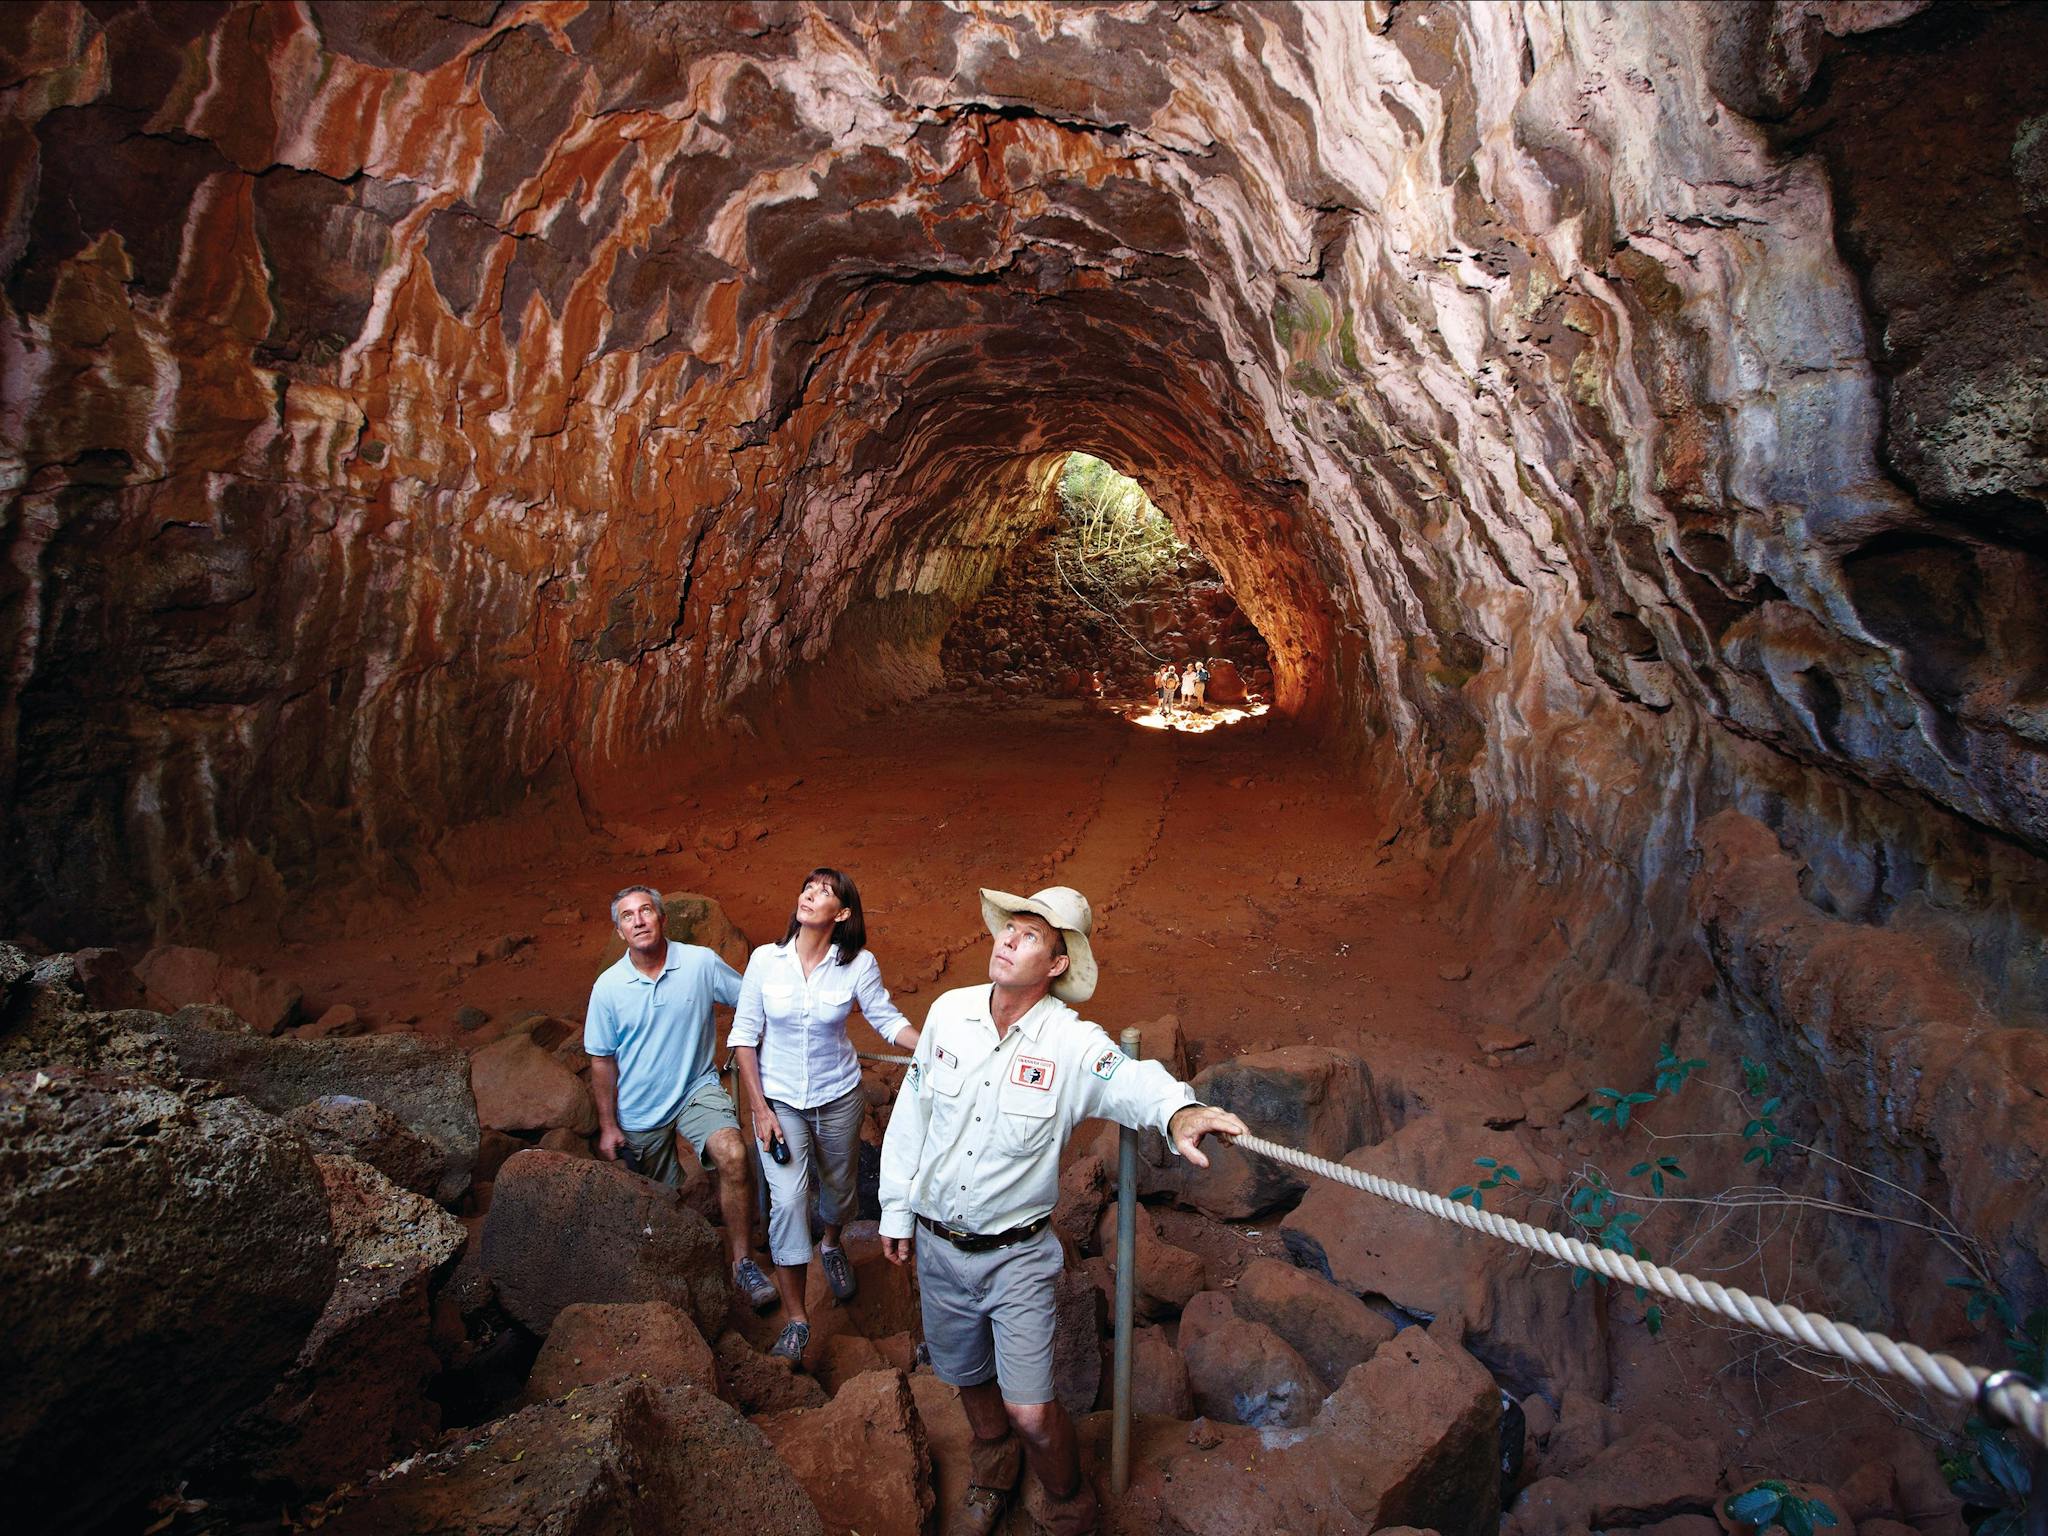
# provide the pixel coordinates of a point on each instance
(1107, 603)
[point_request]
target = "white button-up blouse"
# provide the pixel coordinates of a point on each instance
(798, 1022)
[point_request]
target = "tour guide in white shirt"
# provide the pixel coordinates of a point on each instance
(1001, 1076)
(648, 1035)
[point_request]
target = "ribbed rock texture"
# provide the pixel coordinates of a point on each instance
(404, 404)
(1611, 415)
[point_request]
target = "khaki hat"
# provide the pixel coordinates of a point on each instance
(1067, 910)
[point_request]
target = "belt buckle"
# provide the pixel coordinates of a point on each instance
(949, 1232)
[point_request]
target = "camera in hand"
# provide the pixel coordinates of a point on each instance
(778, 1148)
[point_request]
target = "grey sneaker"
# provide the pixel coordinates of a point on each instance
(791, 1343)
(755, 1286)
(838, 1273)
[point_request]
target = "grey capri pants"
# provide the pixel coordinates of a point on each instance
(824, 1148)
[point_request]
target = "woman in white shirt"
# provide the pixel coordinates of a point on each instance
(802, 1081)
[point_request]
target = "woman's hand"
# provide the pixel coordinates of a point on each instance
(766, 1127)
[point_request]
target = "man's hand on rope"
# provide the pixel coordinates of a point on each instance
(1191, 1123)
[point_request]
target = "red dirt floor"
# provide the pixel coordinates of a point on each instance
(1237, 879)
(1240, 879)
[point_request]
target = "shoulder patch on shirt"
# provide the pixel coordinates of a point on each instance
(910, 1080)
(1032, 1072)
(1106, 1064)
(945, 1057)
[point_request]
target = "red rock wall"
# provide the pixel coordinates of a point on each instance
(406, 405)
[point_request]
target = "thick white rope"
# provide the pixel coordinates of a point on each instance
(2007, 1395)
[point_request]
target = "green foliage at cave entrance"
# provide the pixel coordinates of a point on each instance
(1121, 537)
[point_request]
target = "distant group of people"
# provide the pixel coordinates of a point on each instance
(999, 1076)
(1189, 685)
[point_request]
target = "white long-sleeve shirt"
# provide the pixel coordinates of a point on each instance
(974, 1140)
(798, 1022)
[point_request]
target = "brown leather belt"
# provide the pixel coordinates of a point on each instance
(982, 1242)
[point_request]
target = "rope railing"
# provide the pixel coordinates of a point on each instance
(2007, 1396)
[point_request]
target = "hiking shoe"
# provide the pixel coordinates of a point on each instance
(755, 1286)
(1078, 1514)
(791, 1343)
(838, 1273)
(993, 1467)
(979, 1513)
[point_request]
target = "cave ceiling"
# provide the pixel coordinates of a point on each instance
(405, 403)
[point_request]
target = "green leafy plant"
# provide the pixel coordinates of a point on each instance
(2025, 1342)
(1616, 1111)
(1592, 1204)
(1658, 1171)
(1771, 1502)
(1991, 1476)
(1990, 1471)
(1497, 1171)
(1672, 1073)
(1763, 1130)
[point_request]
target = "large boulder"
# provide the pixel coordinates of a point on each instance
(1651, 1475)
(107, 980)
(1313, 1097)
(1087, 1188)
(356, 1397)
(565, 1229)
(1242, 1372)
(1517, 1313)
(46, 1020)
(1226, 683)
(646, 1340)
(1331, 1328)
(1080, 1316)
(1159, 1376)
(165, 1254)
(695, 919)
(17, 966)
(760, 1383)
(627, 1458)
(174, 975)
(885, 1300)
(520, 1087)
(1416, 1432)
(862, 1457)
(425, 1086)
(341, 1125)
(1166, 1276)
(1411, 1438)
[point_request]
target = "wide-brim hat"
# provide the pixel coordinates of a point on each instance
(1067, 910)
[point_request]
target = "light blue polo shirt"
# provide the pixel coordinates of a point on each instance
(660, 1030)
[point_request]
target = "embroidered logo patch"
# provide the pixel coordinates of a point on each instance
(946, 1057)
(914, 1076)
(1107, 1063)
(1032, 1072)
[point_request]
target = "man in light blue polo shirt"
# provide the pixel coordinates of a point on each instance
(648, 1035)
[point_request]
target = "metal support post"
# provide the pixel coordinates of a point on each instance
(1126, 1293)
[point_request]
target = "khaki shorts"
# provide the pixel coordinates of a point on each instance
(990, 1315)
(824, 1147)
(703, 1115)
